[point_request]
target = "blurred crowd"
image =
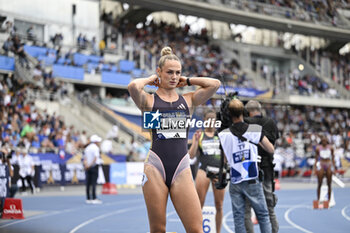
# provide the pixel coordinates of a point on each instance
(324, 12)
(24, 126)
(302, 128)
(339, 65)
(199, 57)
(308, 85)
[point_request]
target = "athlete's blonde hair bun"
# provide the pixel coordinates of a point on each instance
(166, 51)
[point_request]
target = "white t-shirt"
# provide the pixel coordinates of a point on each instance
(90, 153)
(242, 155)
(26, 164)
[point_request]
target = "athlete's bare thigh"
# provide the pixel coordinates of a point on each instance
(156, 195)
(202, 185)
(186, 202)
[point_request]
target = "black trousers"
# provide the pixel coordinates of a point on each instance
(91, 181)
(29, 181)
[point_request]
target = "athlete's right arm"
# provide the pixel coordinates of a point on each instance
(316, 159)
(267, 145)
(137, 93)
(194, 147)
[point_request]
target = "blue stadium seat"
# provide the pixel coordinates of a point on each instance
(46, 60)
(116, 78)
(126, 66)
(114, 68)
(35, 51)
(106, 67)
(80, 59)
(61, 60)
(70, 72)
(94, 59)
(91, 66)
(7, 63)
(137, 73)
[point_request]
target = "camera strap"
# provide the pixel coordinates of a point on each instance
(240, 136)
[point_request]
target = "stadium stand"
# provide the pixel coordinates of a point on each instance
(82, 66)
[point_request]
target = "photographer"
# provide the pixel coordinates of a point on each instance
(207, 145)
(6, 172)
(239, 143)
(26, 171)
(266, 165)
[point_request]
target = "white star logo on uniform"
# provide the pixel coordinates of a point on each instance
(156, 115)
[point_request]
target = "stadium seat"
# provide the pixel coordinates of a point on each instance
(7, 63)
(46, 60)
(307, 173)
(35, 51)
(69, 72)
(80, 59)
(126, 66)
(137, 73)
(116, 78)
(91, 66)
(94, 59)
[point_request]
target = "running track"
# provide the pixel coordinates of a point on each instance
(126, 213)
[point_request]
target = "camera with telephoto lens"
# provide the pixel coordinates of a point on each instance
(224, 114)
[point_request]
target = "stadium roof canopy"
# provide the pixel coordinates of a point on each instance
(234, 16)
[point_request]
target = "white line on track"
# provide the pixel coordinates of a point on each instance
(344, 214)
(286, 216)
(170, 213)
(44, 215)
(285, 227)
(224, 220)
(103, 216)
(284, 206)
(172, 219)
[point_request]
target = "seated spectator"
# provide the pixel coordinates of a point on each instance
(28, 131)
(35, 142)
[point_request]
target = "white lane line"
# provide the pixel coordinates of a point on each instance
(285, 227)
(284, 206)
(61, 212)
(103, 216)
(344, 214)
(174, 220)
(170, 213)
(286, 217)
(224, 222)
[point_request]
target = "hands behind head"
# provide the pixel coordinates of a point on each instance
(182, 81)
(154, 80)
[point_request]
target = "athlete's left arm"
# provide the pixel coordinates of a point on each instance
(208, 87)
(333, 159)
